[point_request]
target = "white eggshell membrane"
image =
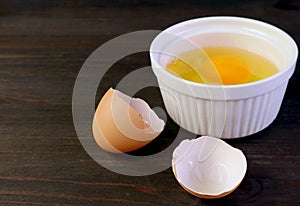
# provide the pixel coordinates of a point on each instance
(124, 124)
(152, 123)
(208, 167)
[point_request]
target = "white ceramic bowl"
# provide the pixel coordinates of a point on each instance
(227, 111)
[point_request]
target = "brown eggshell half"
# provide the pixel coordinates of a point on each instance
(208, 167)
(124, 124)
(204, 195)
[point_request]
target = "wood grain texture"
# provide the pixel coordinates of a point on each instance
(43, 45)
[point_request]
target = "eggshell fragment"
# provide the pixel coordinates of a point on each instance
(124, 124)
(208, 167)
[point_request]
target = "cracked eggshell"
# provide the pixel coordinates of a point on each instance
(124, 124)
(208, 167)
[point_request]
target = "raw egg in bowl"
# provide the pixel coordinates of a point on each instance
(234, 105)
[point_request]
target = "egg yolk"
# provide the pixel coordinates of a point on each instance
(230, 69)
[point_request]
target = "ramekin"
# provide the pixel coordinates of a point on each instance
(224, 111)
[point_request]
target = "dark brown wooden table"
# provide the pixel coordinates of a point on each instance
(43, 45)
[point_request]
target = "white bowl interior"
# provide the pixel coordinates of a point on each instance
(258, 37)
